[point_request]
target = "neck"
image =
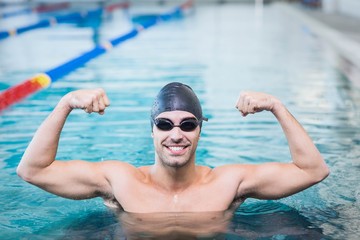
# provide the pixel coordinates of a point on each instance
(173, 179)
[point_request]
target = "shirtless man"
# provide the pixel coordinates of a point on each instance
(174, 183)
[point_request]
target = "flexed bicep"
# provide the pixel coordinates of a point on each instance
(38, 165)
(74, 179)
(274, 181)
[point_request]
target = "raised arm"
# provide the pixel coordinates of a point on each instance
(72, 179)
(276, 180)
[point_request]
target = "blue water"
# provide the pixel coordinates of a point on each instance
(219, 51)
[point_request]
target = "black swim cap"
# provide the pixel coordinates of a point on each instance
(177, 96)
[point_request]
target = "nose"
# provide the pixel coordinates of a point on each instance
(176, 135)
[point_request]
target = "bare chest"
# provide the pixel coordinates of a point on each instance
(201, 198)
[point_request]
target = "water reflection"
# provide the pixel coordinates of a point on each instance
(259, 221)
(213, 225)
(283, 222)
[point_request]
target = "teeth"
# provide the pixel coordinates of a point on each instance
(176, 148)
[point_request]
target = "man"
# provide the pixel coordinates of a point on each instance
(173, 183)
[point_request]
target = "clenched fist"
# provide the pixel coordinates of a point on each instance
(252, 102)
(90, 100)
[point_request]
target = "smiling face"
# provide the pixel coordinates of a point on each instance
(175, 148)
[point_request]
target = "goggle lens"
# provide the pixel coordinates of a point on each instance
(186, 125)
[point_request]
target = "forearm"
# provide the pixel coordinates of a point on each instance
(42, 149)
(304, 153)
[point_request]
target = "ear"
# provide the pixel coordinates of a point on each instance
(152, 134)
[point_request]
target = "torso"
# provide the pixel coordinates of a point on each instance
(135, 193)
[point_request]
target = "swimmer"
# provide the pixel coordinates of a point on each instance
(174, 183)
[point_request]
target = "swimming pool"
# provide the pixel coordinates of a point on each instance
(219, 50)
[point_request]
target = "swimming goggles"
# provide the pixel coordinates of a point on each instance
(187, 125)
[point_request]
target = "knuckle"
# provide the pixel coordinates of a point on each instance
(93, 97)
(100, 91)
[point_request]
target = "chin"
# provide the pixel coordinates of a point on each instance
(176, 163)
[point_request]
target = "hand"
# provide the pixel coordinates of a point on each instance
(252, 102)
(90, 100)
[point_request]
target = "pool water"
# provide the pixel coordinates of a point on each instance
(219, 50)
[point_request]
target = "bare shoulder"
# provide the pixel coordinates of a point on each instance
(203, 169)
(229, 171)
(238, 169)
(119, 170)
(109, 164)
(234, 176)
(235, 173)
